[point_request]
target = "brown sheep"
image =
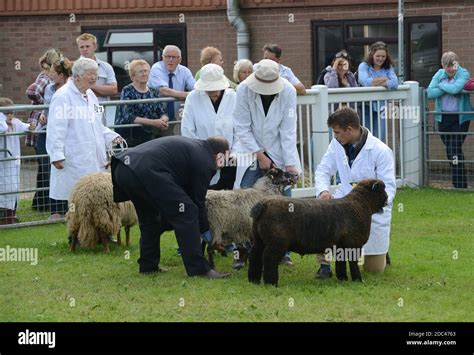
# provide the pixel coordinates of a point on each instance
(310, 226)
(93, 216)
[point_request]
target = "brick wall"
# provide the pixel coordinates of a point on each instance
(24, 39)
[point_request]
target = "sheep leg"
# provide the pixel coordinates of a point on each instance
(105, 242)
(74, 242)
(119, 237)
(210, 255)
(341, 271)
(271, 259)
(256, 262)
(127, 235)
(355, 271)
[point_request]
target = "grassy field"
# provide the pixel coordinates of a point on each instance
(431, 278)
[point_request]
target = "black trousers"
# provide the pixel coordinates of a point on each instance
(226, 180)
(156, 213)
(41, 198)
(453, 144)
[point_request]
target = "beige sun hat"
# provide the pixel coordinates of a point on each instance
(212, 78)
(265, 79)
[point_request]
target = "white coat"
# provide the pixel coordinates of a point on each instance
(10, 169)
(275, 133)
(76, 134)
(200, 120)
(375, 160)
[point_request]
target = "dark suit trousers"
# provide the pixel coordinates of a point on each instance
(155, 209)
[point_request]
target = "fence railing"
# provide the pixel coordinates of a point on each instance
(392, 110)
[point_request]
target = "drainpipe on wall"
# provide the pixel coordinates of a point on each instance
(233, 14)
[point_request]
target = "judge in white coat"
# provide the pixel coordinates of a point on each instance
(356, 154)
(10, 163)
(77, 140)
(265, 126)
(208, 112)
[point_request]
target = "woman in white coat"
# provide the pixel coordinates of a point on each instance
(208, 112)
(356, 154)
(77, 140)
(10, 163)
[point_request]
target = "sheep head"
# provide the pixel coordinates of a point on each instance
(377, 188)
(281, 178)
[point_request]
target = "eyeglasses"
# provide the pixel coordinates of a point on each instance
(342, 55)
(172, 57)
(378, 45)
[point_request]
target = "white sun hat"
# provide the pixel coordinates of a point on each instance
(265, 79)
(212, 78)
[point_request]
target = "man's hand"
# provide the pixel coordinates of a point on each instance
(59, 164)
(161, 123)
(263, 161)
(291, 169)
(380, 81)
(32, 126)
(117, 140)
(325, 195)
(42, 119)
(207, 237)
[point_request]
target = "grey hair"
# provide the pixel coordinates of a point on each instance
(82, 65)
(448, 59)
(239, 65)
(170, 46)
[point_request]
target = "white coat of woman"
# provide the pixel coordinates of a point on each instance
(77, 140)
(200, 119)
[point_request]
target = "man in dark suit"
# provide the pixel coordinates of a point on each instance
(167, 181)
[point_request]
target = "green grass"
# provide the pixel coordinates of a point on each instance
(425, 283)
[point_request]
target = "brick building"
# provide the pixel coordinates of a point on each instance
(310, 32)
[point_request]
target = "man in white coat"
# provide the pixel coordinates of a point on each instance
(356, 154)
(77, 140)
(265, 126)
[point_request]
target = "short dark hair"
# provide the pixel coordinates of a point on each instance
(218, 144)
(273, 48)
(344, 118)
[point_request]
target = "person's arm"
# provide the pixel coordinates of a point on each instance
(243, 121)
(325, 169)
(200, 184)
(330, 78)
(433, 91)
(364, 77)
(3, 124)
(385, 171)
(188, 123)
(300, 89)
(166, 91)
(35, 91)
(58, 122)
(105, 90)
(460, 79)
(288, 135)
(23, 127)
(189, 81)
(392, 82)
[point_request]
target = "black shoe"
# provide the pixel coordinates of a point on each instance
(286, 260)
(388, 261)
(238, 264)
(323, 273)
(213, 274)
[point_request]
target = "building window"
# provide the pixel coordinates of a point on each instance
(118, 46)
(422, 41)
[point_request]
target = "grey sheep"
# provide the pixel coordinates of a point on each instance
(310, 226)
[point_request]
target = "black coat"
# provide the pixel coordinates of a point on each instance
(183, 164)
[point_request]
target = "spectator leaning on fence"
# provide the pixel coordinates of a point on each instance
(377, 70)
(60, 73)
(446, 87)
(242, 69)
(273, 52)
(338, 74)
(172, 79)
(77, 140)
(35, 93)
(10, 162)
(149, 115)
(356, 154)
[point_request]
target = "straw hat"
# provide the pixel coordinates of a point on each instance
(265, 79)
(212, 78)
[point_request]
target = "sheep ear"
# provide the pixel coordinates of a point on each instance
(375, 186)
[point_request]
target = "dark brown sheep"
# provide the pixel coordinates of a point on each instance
(312, 226)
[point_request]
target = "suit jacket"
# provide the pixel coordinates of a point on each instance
(168, 167)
